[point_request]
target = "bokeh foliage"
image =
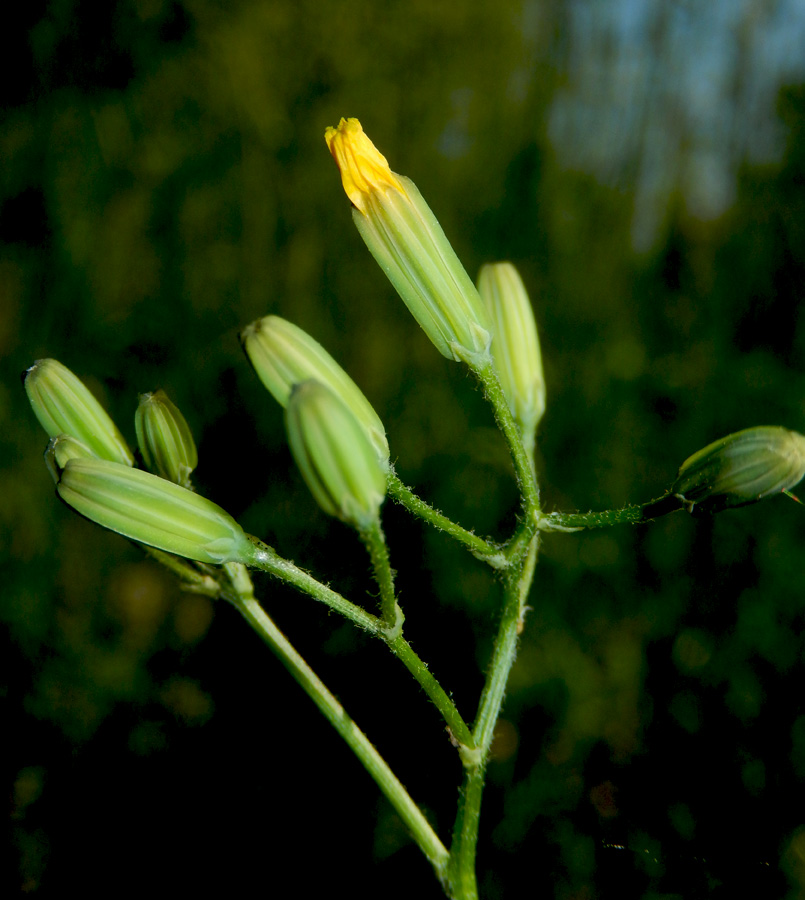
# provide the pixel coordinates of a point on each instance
(164, 182)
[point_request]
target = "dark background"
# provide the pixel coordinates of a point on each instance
(165, 181)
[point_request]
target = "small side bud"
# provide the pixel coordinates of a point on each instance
(334, 455)
(283, 355)
(741, 468)
(64, 405)
(515, 345)
(165, 439)
(408, 243)
(62, 448)
(153, 511)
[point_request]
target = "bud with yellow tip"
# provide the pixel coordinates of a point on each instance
(408, 243)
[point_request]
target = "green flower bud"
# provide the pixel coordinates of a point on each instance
(283, 355)
(153, 511)
(62, 448)
(408, 243)
(164, 438)
(515, 345)
(741, 468)
(334, 455)
(64, 405)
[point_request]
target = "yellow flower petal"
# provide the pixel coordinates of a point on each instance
(363, 168)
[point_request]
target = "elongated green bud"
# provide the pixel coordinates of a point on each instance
(64, 405)
(334, 455)
(408, 243)
(153, 511)
(515, 345)
(283, 355)
(165, 439)
(741, 468)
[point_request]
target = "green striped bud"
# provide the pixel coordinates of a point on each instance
(62, 448)
(741, 468)
(408, 243)
(334, 455)
(164, 438)
(283, 355)
(153, 511)
(64, 405)
(515, 345)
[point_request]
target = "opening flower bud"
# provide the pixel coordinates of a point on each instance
(334, 455)
(408, 243)
(283, 355)
(165, 439)
(515, 345)
(153, 511)
(741, 468)
(64, 405)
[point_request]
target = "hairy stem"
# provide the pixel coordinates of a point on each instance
(486, 550)
(458, 727)
(375, 543)
(266, 560)
(241, 595)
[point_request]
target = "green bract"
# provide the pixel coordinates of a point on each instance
(408, 243)
(515, 345)
(283, 355)
(741, 468)
(165, 439)
(153, 511)
(334, 455)
(64, 405)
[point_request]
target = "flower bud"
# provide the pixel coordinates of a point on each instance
(741, 468)
(153, 511)
(283, 355)
(334, 455)
(408, 243)
(515, 345)
(64, 405)
(62, 448)
(164, 438)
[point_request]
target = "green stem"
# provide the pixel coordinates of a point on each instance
(515, 589)
(461, 878)
(523, 464)
(458, 727)
(486, 550)
(242, 597)
(629, 515)
(516, 585)
(266, 560)
(379, 552)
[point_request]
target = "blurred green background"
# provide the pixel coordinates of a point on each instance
(165, 181)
